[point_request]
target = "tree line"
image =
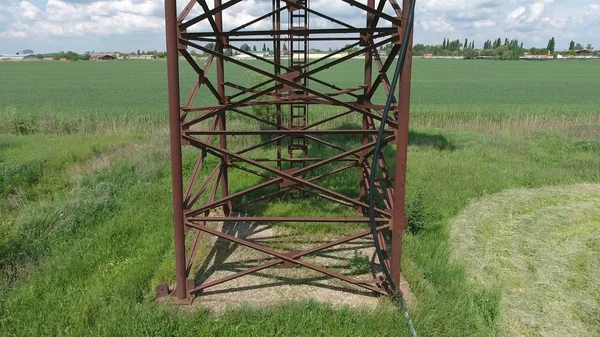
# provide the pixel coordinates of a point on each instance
(507, 49)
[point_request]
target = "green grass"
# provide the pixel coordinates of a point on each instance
(34, 176)
(453, 87)
(540, 247)
(84, 254)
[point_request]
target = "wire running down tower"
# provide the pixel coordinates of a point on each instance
(221, 119)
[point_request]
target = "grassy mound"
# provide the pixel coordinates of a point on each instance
(541, 249)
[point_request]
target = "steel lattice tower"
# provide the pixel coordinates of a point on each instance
(294, 86)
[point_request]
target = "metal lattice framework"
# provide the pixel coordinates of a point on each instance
(292, 85)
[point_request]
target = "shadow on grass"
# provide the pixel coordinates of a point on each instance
(223, 260)
(223, 248)
(438, 141)
(346, 182)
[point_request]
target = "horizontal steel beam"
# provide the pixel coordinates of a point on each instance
(312, 31)
(283, 132)
(282, 219)
(293, 256)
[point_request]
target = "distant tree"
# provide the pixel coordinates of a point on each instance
(264, 47)
(209, 46)
(245, 47)
(39, 56)
(578, 46)
(589, 46)
(85, 57)
(444, 44)
(551, 45)
(506, 41)
(330, 50)
(70, 55)
(572, 45)
(284, 47)
(498, 43)
(521, 45)
(466, 44)
(156, 53)
(469, 53)
(350, 50)
(539, 51)
(254, 48)
(138, 53)
(453, 45)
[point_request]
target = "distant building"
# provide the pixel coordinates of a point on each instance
(142, 57)
(583, 52)
(103, 56)
(7, 57)
(528, 56)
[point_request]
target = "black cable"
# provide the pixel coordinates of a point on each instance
(376, 153)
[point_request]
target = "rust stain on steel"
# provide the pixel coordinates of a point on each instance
(286, 86)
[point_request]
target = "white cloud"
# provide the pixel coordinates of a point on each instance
(438, 25)
(483, 24)
(13, 34)
(536, 10)
(29, 10)
(127, 24)
(516, 13)
(60, 18)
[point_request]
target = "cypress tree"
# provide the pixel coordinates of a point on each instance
(551, 45)
(466, 44)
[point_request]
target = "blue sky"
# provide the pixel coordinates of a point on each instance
(128, 25)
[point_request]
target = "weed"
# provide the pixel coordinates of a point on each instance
(359, 263)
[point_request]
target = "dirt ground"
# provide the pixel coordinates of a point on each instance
(278, 284)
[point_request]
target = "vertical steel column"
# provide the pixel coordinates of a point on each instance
(277, 59)
(368, 81)
(399, 220)
(222, 100)
(175, 138)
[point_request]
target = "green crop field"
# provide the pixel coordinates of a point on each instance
(85, 213)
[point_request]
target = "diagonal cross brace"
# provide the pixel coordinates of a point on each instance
(220, 152)
(282, 257)
(199, 143)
